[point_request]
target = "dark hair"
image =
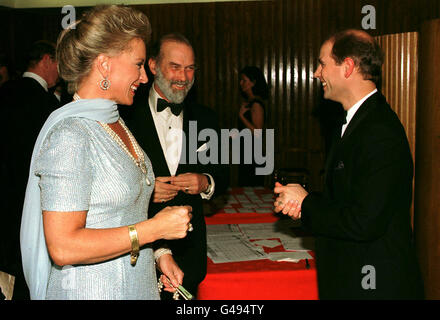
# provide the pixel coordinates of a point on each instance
(154, 51)
(364, 51)
(260, 87)
(38, 50)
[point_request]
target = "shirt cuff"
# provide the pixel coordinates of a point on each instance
(208, 195)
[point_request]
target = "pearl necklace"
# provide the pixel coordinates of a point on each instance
(140, 161)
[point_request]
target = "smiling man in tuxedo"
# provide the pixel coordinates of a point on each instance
(160, 121)
(364, 246)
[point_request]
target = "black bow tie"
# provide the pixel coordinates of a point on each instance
(344, 117)
(176, 108)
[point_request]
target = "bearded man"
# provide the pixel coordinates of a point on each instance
(160, 120)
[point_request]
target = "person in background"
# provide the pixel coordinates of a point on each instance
(60, 92)
(85, 231)
(364, 244)
(26, 103)
(254, 89)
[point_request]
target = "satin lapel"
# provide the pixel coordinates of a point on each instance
(361, 113)
(185, 142)
(149, 140)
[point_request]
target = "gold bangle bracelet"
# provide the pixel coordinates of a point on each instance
(134, 254)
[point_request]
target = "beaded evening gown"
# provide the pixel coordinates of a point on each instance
(83, 168)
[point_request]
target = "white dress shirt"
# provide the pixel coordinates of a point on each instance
(170, 131)
(352, 111)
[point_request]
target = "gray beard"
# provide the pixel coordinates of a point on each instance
(172, 95)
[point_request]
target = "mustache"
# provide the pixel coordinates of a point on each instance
(180, 82)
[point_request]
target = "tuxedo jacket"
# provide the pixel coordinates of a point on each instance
(361, 221)
(25, 106)
(190, 252)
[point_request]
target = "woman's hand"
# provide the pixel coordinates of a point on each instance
(173, 222)
(171, 272)
(257, 115)
(243, 108)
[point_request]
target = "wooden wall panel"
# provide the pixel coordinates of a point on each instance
(399, 79)
(427, 192)
(399, 82)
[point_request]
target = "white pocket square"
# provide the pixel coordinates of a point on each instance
(203, 147)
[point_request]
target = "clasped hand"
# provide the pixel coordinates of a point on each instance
(289, 200)
(166, 188)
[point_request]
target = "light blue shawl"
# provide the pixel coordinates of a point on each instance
(35, 257)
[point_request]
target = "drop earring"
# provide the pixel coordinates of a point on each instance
(104, 84)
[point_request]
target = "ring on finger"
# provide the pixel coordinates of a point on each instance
(186, 189)
(190, 227)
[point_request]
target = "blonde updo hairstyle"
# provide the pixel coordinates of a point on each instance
(105, 29)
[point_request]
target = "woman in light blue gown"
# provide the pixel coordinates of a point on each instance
(85, 212)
